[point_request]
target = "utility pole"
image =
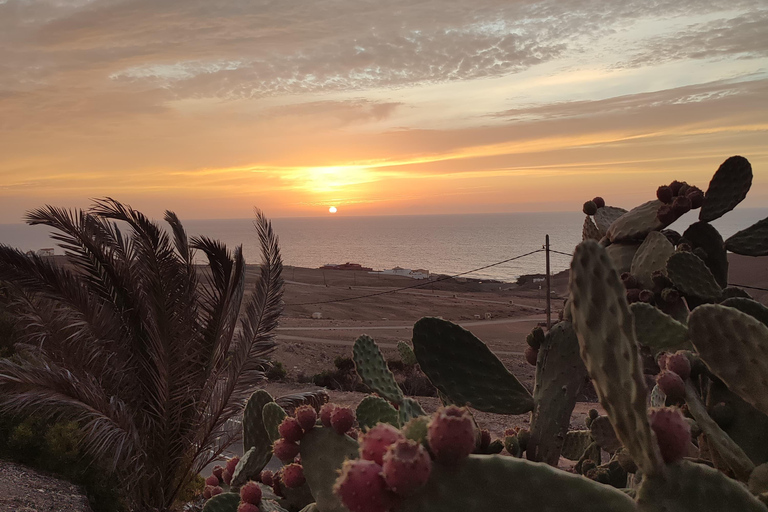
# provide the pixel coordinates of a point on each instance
(549, 292)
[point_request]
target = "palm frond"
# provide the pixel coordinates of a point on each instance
(316, 398)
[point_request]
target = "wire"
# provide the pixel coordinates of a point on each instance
(444, 278)
(563, 253)
(750, 287)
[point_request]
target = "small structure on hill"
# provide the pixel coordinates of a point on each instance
(345, 266)
(405, 272)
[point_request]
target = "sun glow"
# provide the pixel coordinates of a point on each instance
(332, 209)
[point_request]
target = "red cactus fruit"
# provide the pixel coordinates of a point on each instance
(232, 464)
(485, 439)
(661, 360)
(666, 214)
(325, 414)
(247, 507)
(216, 491)
(290, 430)
(266, 477)
(589, 208)
(375, 442)
(217, 470)
(251, 493)
(293, 476)
(645, 296)
(629, 281)
(633, 295)
(342, 419)
(680, 364)
(675, 186)
(599, 202)
(531, 355)
(361, 487)
(207, 491)
(284, 450)
(406, 466)
(306, 416)
(671, 384)
(664, 194)
(277, 486)
(451, 434)
(226, 476)
(212, 481)
(672, 432)
(681, 205)
(696, 196)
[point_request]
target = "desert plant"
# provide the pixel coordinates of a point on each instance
(148, 353)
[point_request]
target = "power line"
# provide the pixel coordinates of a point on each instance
(750, 287)
(563, 253)
(444, 278)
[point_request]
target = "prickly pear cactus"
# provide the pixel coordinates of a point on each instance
(729, 186)
(752, 241)
(372, 369)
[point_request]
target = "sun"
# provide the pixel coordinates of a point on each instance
(332, 209)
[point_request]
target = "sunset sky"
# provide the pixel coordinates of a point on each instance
(377, 107)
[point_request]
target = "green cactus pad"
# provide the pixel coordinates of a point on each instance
(690, 487)
(254, 433)
(758, 480)
(748, 427)
(732, 454)
(374, 409)
(560, 373)
(590, 231)
(692, 277)
(702, 235)
(729, 186)
(409, 409)
(748, 306)
(406, 353)
(271, 506)
(622, 255)
(752, 241)
(372, 369)
(636, 223)
(652, 255)
(576, 443)
(464, 368)
(248, 468)
(733, 345)
(224, 502)
(604, 434)
(273, 415)
(604, 326)
(323, 452)
(606, 216)
(658, 331)
(500, 483)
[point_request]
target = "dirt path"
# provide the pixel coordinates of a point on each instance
(23, 489)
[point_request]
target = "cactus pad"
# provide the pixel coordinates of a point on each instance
(273, 415)
(322, 454)
(752, 241)
(464, 369)
(372, 369)
(604, 326)
(254, 433)
(622, 255)
(406, 353)
(372, 410)
(702, 235)
(733, 345)
(748, 306)
(604, 434)
(409, 409)
(224, 502)
(576, 443)
(637, 223)
(728, 187)
(652, 255)
(658, 331)
(692, 277)
(606, 216)
(249, 467)
(508, 483)
(590, 231)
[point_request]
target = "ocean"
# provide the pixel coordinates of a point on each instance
(445, 244)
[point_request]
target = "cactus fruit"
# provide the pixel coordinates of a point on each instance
(284, 450)
(589, 208)
(680, 364)
(226, 476)
(485, 439)
(266, 477)
(251, 493)
(306, 416)
(362, 488)
(325, 414)
(217, 470)
(671, 384)
(216, 491)
(531, 354)
(342, 419)
(451, 434)
(673, 433)
(681, 205)
(232, 464)
(290, 430)
(374, 443)
(247, 507)
(207, 492)
(599, 202)
(406, 467)
(293, 476)
(212, 481)
(664, 194)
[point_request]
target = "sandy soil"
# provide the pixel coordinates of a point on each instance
(25, 490)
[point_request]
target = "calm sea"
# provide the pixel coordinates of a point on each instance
(446, 244)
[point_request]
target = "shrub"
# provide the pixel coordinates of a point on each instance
(276, 371)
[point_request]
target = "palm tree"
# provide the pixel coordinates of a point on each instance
(128, 337)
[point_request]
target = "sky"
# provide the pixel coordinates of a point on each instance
(375, 107)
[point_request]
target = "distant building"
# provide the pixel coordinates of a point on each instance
(47, 252)
(346, 266)
(405, 272)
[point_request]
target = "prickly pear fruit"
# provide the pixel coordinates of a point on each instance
(293, 476)
(306, 416)
(375, 442)
(216, 491)
(671, 384)
(247, 507)
(207, 491)
(590, 208)
(406, 467)
(645, 296)
(232, 464)
(680, 364)
(633, 295)
(277, 486)
(696, 196)
(485, 439)
(675, 187)
(361, 487)
(599, 202)
(681, 205)
(290, 430)
(266, 477)
(226, 477)
(251, 493)
(284, 450)
(342, 419)
(451, 434)
(629, 281)
(212, 481)
(217, 470)
(531, 355)
(325, 414)
(664, 194)
(673, 433)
